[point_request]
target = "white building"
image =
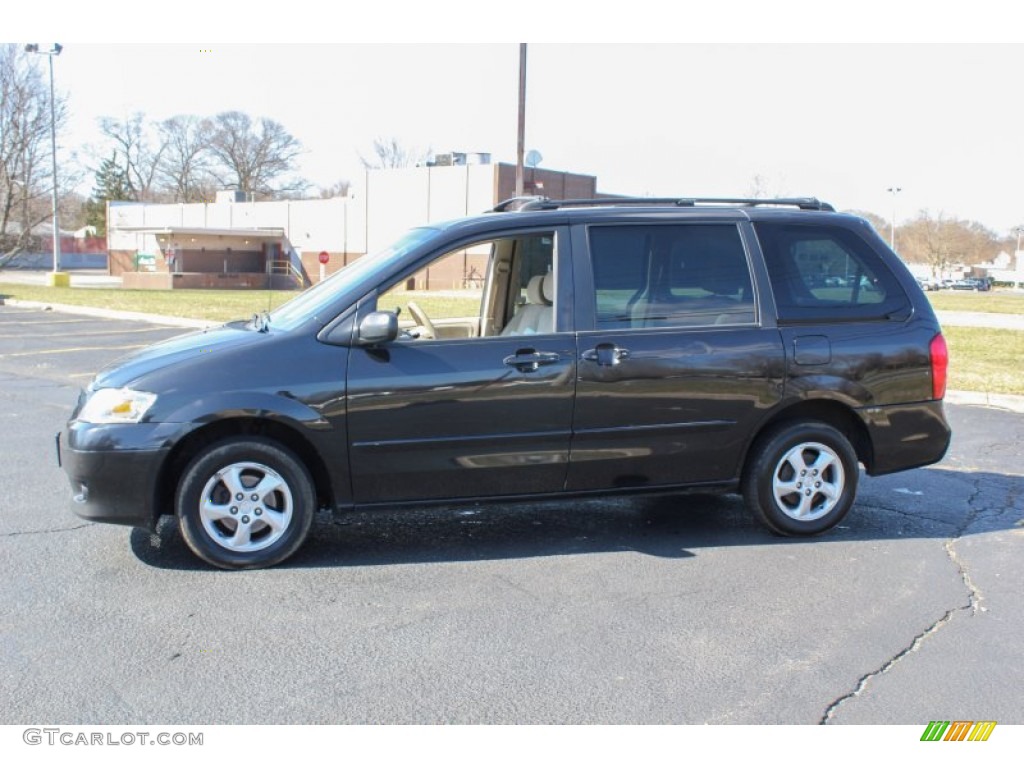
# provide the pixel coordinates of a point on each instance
(231, 243)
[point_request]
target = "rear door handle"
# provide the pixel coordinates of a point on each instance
(606, 354)
(527, 360)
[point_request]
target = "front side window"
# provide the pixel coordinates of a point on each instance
(670, 275)
(503, 286)
(826, 273)
(444, 298)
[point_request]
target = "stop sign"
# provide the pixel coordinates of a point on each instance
(324, 257)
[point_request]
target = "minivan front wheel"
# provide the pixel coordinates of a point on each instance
(245, 503)
(801, 479)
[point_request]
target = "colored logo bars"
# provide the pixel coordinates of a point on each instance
(958, 730)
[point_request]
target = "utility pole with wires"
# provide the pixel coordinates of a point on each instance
(521, 134)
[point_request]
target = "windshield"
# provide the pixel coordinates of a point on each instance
(315, 299)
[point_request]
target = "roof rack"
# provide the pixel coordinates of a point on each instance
(519, 203)
(532, 203)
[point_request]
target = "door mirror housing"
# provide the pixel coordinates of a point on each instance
(377, 328)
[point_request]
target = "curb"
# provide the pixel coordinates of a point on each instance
(113, 314)
(1013, 403)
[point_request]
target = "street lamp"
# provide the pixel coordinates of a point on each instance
(50, 54)
(892, 225)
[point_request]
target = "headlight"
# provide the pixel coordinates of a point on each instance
(116, 406)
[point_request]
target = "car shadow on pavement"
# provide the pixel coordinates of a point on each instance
(926, 503)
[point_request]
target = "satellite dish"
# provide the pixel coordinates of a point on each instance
(533, 158)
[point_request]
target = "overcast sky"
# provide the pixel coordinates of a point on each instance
(840, 121)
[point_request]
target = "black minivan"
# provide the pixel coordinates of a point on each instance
(609, 346)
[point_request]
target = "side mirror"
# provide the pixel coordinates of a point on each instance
(378, 328)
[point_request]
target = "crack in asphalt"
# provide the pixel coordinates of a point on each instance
(974, 594)
(904, 513)
(47, 530)
(863, 682)
(973, 606)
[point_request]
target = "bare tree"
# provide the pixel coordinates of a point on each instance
(763, 187)
(138, 152)
(389, 153)
(254, 157)
(941, 241)
(25, 181)
(339, 188)
(184, 167)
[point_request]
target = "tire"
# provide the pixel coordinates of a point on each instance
(245, 503)
(794, 504)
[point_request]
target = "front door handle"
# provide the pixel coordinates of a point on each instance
(606, 354)
(528, 360)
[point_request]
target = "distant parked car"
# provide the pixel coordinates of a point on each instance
(971, 284)
(929, 283)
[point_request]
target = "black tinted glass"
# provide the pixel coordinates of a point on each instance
(826, 273)
(670, 275)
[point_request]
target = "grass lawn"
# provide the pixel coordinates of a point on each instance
(1003, 301)
(436, 304)
(986, 359)
(219, 306)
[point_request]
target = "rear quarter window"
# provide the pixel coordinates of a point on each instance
(827, 273)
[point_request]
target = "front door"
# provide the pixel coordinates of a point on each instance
(466, 403)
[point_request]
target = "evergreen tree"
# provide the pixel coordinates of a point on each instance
(111, 184)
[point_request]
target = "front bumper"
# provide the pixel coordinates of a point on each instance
(114, 470)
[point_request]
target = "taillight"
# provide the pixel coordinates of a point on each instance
(940, 362)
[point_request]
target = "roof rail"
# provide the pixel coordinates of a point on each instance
(546, 204)
(803, 203)
(519, 203)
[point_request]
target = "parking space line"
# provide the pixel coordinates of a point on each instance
(70, 349)
(43, 322)
(88, 333)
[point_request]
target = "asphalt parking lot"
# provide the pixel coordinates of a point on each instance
(667, 610)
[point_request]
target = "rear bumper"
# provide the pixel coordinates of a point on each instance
(906, 436)
(113, 470)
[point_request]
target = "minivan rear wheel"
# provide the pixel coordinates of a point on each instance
(245, 503)
(801, 479)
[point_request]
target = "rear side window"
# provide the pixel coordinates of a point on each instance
(649, 276)
(822, 273)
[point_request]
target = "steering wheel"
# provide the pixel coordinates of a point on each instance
(422, 320)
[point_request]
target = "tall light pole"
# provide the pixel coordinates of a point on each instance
(521, 132)
(50, 54)
(892, 225)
